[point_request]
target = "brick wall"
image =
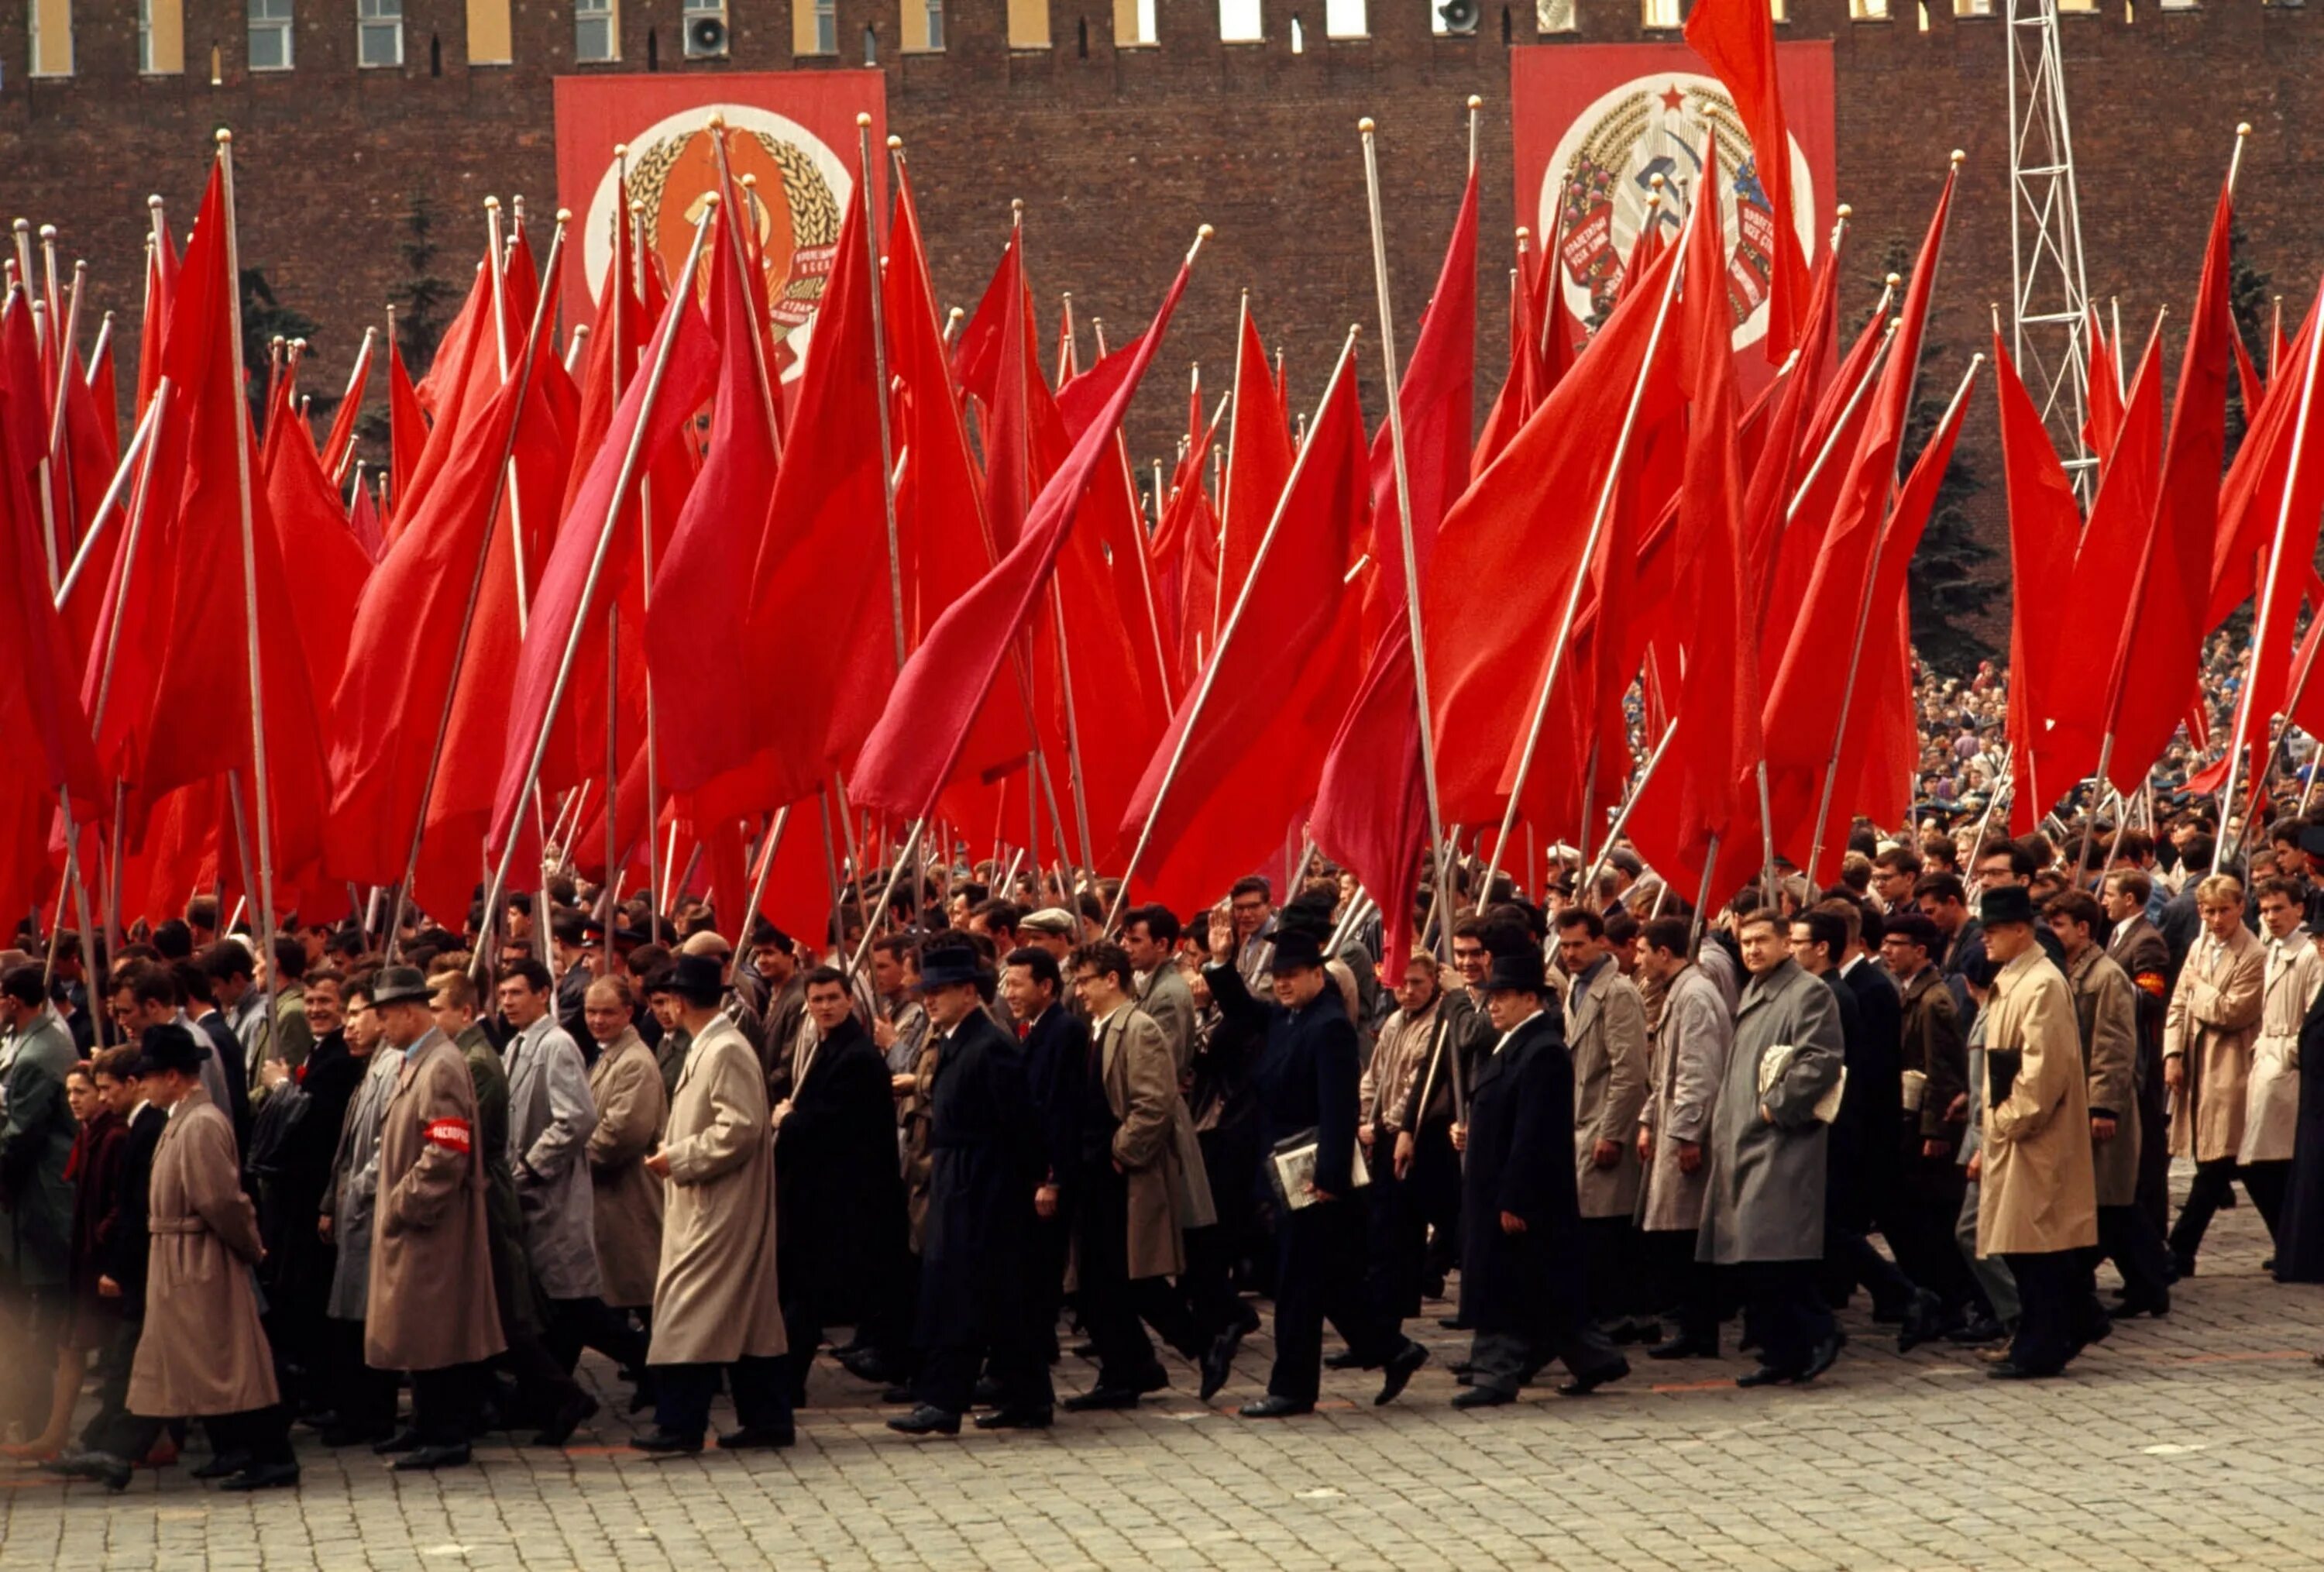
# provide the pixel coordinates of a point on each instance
(1119, 153)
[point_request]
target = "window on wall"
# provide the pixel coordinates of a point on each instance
(1554, 16)
(1133, 21)
(160, 37)
(1239, 22)
(596, 30)
(1659, 14)
(1775, 9)
(1029, 24)
(923, 25)
(1972, 7)
(269, 35)
(489, 43)
(815, 27)
(1346, 19)
(50, 23)
(379, 32)
(1869, 10)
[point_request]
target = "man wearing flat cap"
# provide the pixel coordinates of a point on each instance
(2038, 1204)
(202, 1353)
(1524, 1255)
(1306, 1077)
(432, 1310)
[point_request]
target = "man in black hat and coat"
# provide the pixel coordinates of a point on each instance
(988, 1157)
(1307, 1075)
(1522, 1257)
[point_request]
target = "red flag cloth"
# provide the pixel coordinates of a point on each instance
(2247, 377)
(470, 326)
(1259, 465)
(598, 539)
(1521, 528)
(1241, 758)
(160, 285)
(464, 375)
(2251, 494)
(310, 531)
(2044, 522)
(1784, 459)
(1024, 434)
(343, 420)
(2160, 640)
(1520, 385)
(2072, 719)
(702, 585)
(407, 431)
(2102, 426)
(913, 748)
(613, 358)
(362, 523)
(1738, 38)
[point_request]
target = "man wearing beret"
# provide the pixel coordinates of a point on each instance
(2038, 1206)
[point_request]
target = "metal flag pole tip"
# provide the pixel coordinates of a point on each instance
(620, 149)
(1959, 158)
(1844, 211)
(862, 117)
(1365, 125)
(717, 120)
(491, 204)
(222, 138)
(895, 142)
(1476, 101)
(565, 214)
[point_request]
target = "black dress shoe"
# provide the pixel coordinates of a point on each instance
(113, 1473)
(425, 1457)
(1483, 1397)
(1400, 1367)
(1100, 1398)
(667, 1443)
(1272, 1407)
(1218, 1365)
(264, 1476)
(1153, 1378)
(986, 1392)
(1978, 1331)
(1924, 1322)
(1684, 1347)
(926, 1420)
(403, 1440)
(1589, 1380)
(2010, 1370)
(1453, 1323)
(2156, 1304)
(758, 1438)
(1345, 1359)
(1767, 1375)
(225, 1466)
(1013, 1419)
(1826, 1355)
(570, 1416)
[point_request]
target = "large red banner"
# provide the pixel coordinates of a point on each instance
(793, 132)
(1594, 124)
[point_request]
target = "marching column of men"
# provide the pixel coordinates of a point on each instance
(1645, 1128)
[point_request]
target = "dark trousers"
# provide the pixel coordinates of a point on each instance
(1207, 1285)
(1850, 1258)
(113, 1363)
(1782, 1306)
(363, 1398)
(1320, 1276)
(1398, 1236)
(948, 1373)
(762, 1387)
(1505, 1361)
(1918, 1223)
(1113, 1305)
(2128, 1238)
(2210, 1189)
(1611, 1258)
(262, 1434)
(2154, 1147)
(444, 1403)
(2057, 1311)
(1684, 1288)
(577, 1324)
(1436, 1174)
(2267, 1182)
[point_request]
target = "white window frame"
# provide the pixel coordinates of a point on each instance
(826, 27)
(1338, 16)
(936, 25)
(605, 14)
(374, 20)
(282, 26)
(144, 38)
(32, 33)
(1660, 16)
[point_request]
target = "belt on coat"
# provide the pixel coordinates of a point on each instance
(176, 1226)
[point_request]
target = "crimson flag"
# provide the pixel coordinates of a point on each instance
(2044, 522)
(1738, 38)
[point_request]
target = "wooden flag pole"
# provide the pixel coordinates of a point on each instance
(879, 372)
(139, 440)
(630, 458)
(502, 487)
(1195, 706)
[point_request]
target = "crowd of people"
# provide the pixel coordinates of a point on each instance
(269, 1188)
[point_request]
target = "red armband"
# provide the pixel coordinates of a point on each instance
(451, 1134)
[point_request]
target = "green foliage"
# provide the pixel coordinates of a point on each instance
(422, 300)
(264, 320)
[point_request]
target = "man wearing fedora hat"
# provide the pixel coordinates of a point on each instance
(1524, 1258)
(432, 1310)
(2037, 1208)
(1306, 1077)
(202, 1351)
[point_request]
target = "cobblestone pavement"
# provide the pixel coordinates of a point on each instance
(2195, 1441)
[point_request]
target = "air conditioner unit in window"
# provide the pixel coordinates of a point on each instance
(706, 37)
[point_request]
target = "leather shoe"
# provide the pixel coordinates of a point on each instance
(2010, 1370)
(1345, 1359)
(1977, 1332)
(1684, 1347)
(1100, 1398)
(2156, 1304)
(1401, 1366)
(263, 1476)
(569, 1417)
(1483, 1397)
(871, 1364)
(425, 1457)
(986, 1392)
(1272, 1407)
(1826, 1355)
(1923, 1321)
(667, 1443)
(1153, 1378)
(1454, 1323)
(1013, 1419)
(1589, 1380)
(404, 1440)
(926, 1420)
(1767, 1375)
(1218, 1365)
(350, 1436)
(110, 1472)
(225, 1466)
(758, 1437)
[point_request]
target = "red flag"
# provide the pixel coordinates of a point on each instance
(160, 286)
(1242, 757)
(2102, 427)
(1259, 464)
(912, 750)
(2044, 522)
(2160, 637)
(407, 429)
(343, 421)
(310, 531)
(1783, 456)
(2251, 494)
(1738, 38)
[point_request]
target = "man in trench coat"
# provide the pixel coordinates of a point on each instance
(2207, 1055)
(718, 1303)
(431, 1308)
(1763, 1209)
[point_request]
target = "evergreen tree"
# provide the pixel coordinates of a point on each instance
(421, 297)
(265, 319)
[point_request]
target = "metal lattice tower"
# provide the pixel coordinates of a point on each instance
(2049, 301)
